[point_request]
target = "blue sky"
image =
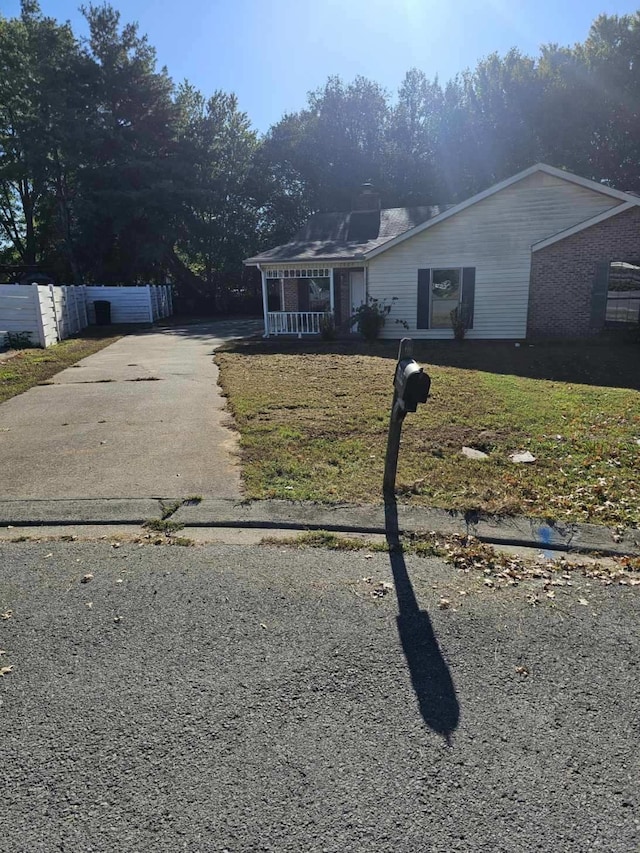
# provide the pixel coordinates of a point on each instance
(272, 52)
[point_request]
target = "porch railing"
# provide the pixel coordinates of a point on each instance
(295, 322)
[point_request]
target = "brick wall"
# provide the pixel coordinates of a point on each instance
(290, 294)
(562, 275)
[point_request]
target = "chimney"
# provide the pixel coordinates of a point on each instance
(368, 199)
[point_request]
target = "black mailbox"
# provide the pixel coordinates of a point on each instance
(412, 384)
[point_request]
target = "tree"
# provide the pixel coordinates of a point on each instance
(41, 67)
(129, 202)
(218, 220)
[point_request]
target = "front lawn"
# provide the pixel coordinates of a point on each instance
(30, 367)
(313, 422)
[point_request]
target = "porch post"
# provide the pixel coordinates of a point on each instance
(331, 292)
(265, 302)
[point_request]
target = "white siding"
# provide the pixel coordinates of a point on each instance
(494, 236)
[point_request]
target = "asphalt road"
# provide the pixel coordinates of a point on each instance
(227, 698)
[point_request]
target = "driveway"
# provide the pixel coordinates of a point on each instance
(142, 418)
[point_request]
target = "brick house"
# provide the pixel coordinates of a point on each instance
(542, 254)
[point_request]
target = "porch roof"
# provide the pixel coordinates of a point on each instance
(347, 236)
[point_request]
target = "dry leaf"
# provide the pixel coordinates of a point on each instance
(89, 604)
(262, 625)
(583, 601)
(117, 618)
(5, 669)
(46, 556)
(368, 556)
(444, 603)
(522, 670)
(119, 580)
(115, 544)
(86, 578)
(7, 614)
(551, 594)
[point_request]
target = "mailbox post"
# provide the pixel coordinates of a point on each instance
(410, 388)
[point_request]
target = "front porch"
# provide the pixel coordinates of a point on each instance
(300, 301)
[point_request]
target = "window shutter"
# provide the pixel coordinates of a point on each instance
(599, 292)
(303, 295)
(469, 292)
(424, 284)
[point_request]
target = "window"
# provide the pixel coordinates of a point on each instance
(445, 296)
(442, 290)
(623, 294)
(319, 298)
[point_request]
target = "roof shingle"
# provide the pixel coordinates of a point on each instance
(347, 236)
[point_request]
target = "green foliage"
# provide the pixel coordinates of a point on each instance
(370, 317)
(460, 321)
(327, 328)
(108, 172)
(19, 340)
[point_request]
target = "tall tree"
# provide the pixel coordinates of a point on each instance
(218, 220)
(129, 202)
(42, 74)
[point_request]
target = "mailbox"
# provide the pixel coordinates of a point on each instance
(412, 384)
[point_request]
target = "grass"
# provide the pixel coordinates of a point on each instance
(313, 421)
(31, 367)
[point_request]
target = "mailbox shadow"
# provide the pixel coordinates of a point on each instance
(430, 676)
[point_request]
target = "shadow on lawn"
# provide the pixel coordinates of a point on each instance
(610, 361)
(429, 672)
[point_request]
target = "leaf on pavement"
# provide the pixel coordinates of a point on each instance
(7, 614)
(4, 670)
(86, 578)
(583, 601)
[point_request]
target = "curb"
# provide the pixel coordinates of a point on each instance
(344, 518)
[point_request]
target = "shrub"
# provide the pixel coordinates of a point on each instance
(327, 328)
(370, 317)
(460, 321)
(19, 340)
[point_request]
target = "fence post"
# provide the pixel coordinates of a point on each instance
(42, 337)
(148, 286)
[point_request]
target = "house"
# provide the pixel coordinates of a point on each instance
(532, 256)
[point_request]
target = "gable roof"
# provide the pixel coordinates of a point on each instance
(496, 188)
(347, 235)
(361, 235)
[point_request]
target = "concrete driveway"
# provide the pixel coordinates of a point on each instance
(141, 418)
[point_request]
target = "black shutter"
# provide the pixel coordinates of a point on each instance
(468, 293)
(599, 292)
(303, 294)
(424, 285)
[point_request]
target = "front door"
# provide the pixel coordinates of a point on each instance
(357, 293)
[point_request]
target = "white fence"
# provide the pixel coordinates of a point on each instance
(296, 322)
(50, 314)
